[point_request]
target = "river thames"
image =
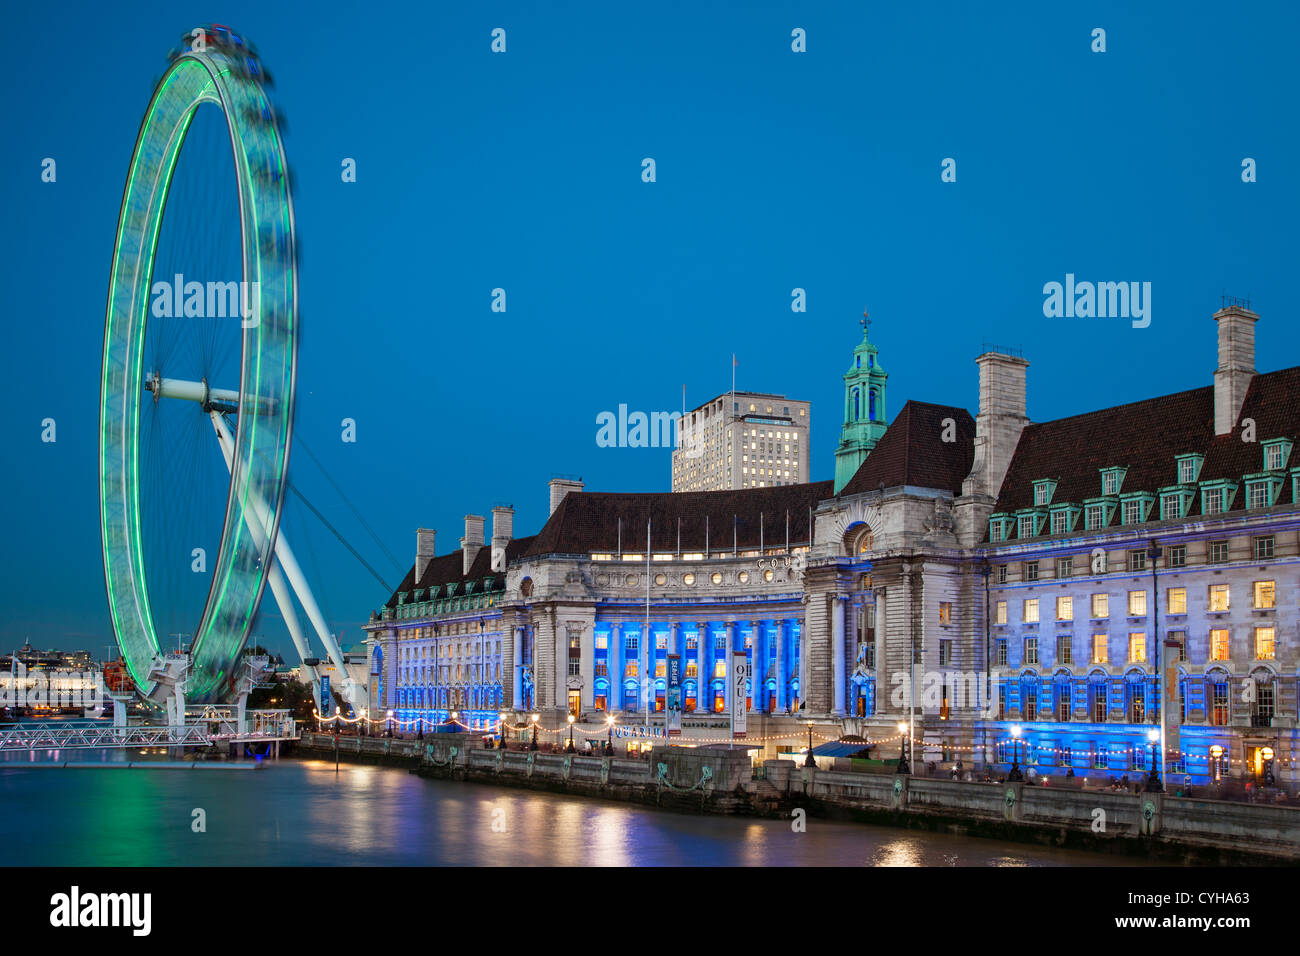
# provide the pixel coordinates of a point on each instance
(301, 812)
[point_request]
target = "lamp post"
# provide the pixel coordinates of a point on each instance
(903, 765)
(808, 760)
(389, 724)
(1014, 775)
(502, 729)
(609, 742)
(534, 718)
(1216, 755)
(570, 748)
(1153, 784)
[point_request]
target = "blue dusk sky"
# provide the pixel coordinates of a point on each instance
(775, 170)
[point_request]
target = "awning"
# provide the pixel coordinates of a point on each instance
(842, 748)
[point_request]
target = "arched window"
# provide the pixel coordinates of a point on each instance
(857, 405)
(872, 412)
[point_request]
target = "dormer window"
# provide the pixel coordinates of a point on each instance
(1097, 513)
(1064, 518)
(1263, 490)
(1028, 524)
(1276, 453)
(999, 527)
(1175, 501)
(1134, 507)
(1111, 480)
(1217, 496)
(1043, 491)
(1189, 468)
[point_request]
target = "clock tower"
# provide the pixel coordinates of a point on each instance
(864, 408)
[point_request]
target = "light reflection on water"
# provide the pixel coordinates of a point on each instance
(302, 812)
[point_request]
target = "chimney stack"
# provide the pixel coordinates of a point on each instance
(1236, 364)
(503, 529)
(424, 551)
(561, 487)
(472, 543)
(1002, 417)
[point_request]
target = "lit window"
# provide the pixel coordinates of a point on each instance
(1137, 648)
(1137, 603)
(1101, 605)
(1065, 608)
(1219, 598)
(1178, 600)
(945, 612)
(1265, 595)
(1265, 644)
(1030, 615)
(1219, 645)
(1100, 649)
(1001, 613)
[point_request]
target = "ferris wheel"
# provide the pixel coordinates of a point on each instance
(198, 378)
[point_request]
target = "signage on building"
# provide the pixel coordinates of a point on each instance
(673, 720)
(325, 693)
(1171, 706)
(739, 682)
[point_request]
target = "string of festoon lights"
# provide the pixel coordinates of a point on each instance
(1225, 754)
(640, 732)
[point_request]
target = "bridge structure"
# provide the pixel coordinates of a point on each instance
(205, 726)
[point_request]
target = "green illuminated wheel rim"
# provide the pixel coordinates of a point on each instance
(216, 68)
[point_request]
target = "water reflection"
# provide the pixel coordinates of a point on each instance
(303, 812)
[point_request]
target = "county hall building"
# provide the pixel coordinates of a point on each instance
(976, 589)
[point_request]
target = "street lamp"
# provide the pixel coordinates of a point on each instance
(1153, 778)
(390, 723)
(1266, 755)
(1216, 755)
(571, 749)
(903, 765)
(808, 761)
(502, 717)
(534, 718)
(609, 742)
(1014, 775)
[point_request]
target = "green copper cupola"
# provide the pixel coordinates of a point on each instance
(864, 409)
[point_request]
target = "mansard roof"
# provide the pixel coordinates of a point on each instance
(587, 521)
(449, 569)
(912, 451)
(1146, 437)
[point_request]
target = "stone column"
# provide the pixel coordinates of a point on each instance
(801, 647)
(782, 675)
(517, 683)
(726, 681)
(703, 696)
(837, 654)
(615, 658)
(756, 694)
